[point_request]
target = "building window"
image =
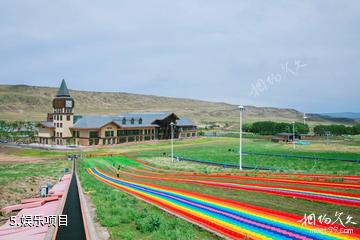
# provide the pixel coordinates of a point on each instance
(76, 134)
(121, 132)
(68, 117)
(140, 120)
(93, 134)
(132, 121)
(109, 133)
(60, 117)
(61, 134)
(124, 121)
(61, 125)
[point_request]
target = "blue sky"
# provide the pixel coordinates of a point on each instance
(291, 54)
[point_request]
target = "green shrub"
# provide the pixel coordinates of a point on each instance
(148, 224)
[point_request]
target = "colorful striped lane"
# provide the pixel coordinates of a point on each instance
(224, 217)
(260, 179)
(277, 180)
(318, 177)
(351, 200)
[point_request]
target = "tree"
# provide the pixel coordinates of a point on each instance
(264, 128)
(334, 129)
(356, 129)
(320, 129)
(301, 128)
(247, 127)
(282, 127)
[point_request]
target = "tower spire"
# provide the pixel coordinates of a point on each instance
(63, 90)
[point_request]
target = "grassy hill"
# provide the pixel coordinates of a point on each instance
(32, 103)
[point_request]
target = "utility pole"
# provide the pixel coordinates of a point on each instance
(327, 134)
(172, 141)
(241, 108)
(293, 134)
(305, 117)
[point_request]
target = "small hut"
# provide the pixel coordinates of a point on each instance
(285, 137)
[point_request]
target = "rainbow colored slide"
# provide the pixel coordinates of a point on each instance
(223, 217)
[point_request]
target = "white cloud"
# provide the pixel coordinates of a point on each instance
(208, 49)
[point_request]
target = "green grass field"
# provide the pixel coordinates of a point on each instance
(14, 171)
(225, 150)
(125, 217)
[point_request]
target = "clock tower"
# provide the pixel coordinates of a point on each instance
(63, 115)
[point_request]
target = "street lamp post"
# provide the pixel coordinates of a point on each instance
(172, 141)
(305, 117)
(293, 134)
(241, 108)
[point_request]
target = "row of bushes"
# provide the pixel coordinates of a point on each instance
(271, 128)
(337, 129)
(15, 129)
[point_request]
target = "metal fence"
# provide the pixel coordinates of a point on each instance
(226, 165)
(302, 157)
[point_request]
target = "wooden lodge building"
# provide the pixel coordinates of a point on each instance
(62, 127)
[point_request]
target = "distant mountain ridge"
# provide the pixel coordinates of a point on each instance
(351, 115)
(23, 102)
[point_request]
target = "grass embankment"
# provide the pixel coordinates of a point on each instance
(39, 153)
(23, 180)
(226, 151)
(126, 217)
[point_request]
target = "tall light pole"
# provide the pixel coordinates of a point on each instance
(172, 141)
(293, 134)
(241, 108)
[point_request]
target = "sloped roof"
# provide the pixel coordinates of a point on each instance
(63, 90)
(286, 134)
(184, 122)
(91, 122)
(46, 124)
(147, 120)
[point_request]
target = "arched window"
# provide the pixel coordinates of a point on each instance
(140, 120)
(124, 121)
(132, 120)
